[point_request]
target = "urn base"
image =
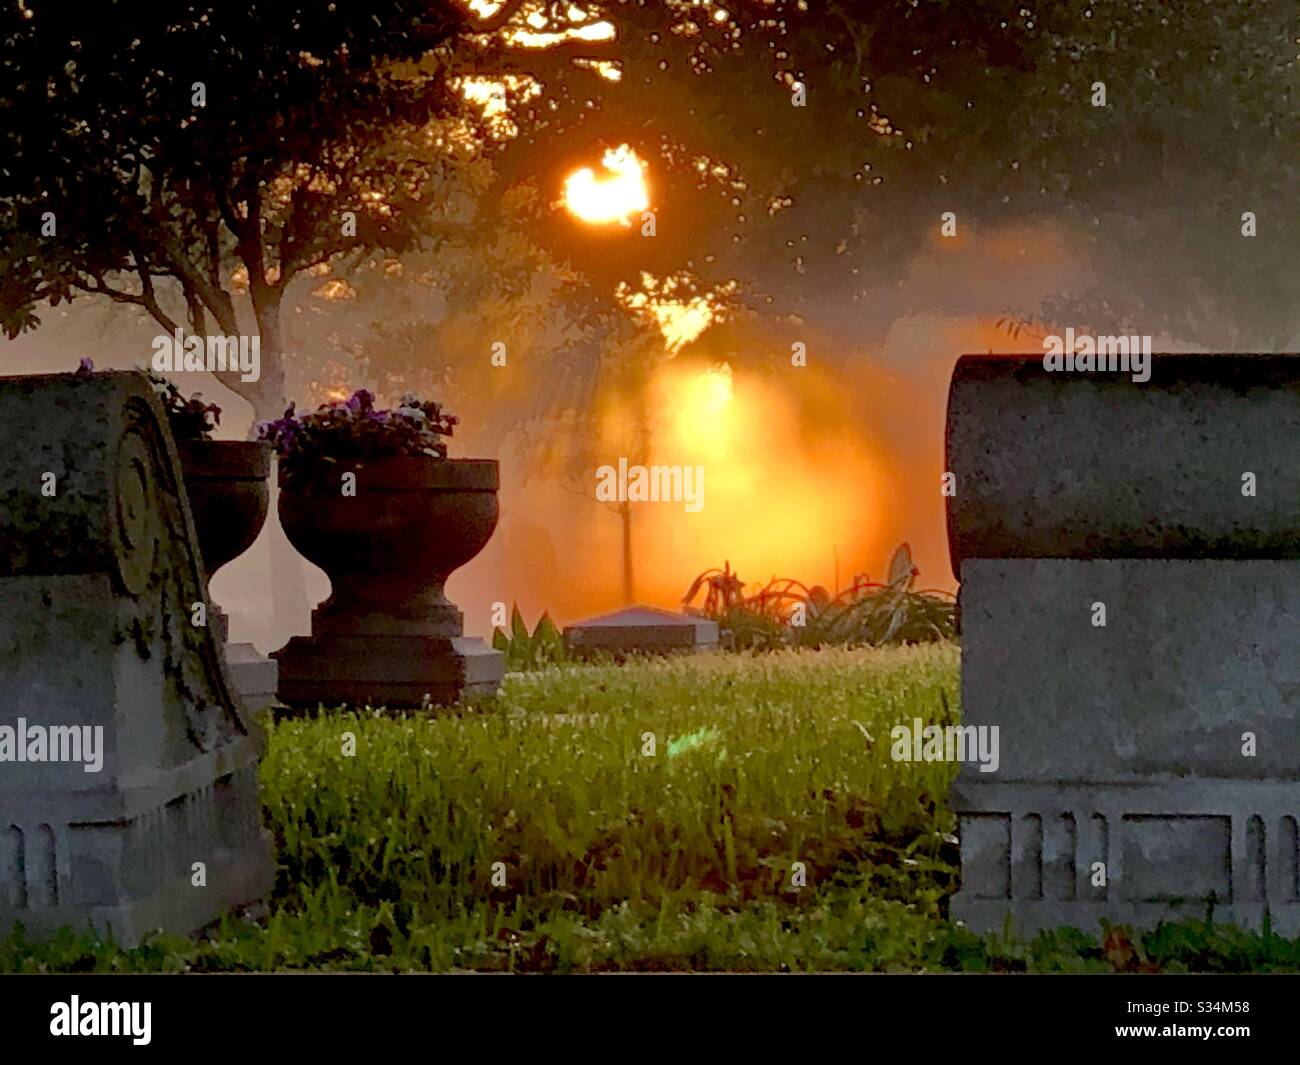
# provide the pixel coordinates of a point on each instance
(383, 670)
(254, 675)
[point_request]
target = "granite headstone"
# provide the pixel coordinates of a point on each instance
(1129, 559)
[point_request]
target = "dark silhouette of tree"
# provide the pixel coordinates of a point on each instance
(192, 160)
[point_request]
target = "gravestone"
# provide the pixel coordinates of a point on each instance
(642, 630)
(1129, 559)
(128, 770)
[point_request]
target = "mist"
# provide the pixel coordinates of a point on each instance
(814, 472)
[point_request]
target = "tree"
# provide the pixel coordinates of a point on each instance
(614, 425)
(918, 107)
(493, 321)
(913, 108)
(1199, 127)
(192, 161)
(802, 204)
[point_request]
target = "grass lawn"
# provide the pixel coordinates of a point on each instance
(647, 816)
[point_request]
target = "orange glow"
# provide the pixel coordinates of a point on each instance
(615, 197)
(591, 31)
(679, 317)
(702, 415)
(494, 96)
(539, 28)
(773, 504)
(336, 288)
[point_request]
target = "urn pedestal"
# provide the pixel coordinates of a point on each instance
(226, 481)
(388, 533)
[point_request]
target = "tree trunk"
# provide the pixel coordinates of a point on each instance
(629, 588)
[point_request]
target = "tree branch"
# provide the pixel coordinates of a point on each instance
(227, 208)
(193, 281)
(198, 321)
(250, 241)
(558, 56)
(287, 251)
(157, 237)
(146, 300)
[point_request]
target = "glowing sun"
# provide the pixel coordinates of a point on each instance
(614, 197)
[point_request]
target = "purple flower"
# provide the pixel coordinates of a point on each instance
(361, 401)
(354, 429)
(86, 365)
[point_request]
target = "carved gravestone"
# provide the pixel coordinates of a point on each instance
(128, 772)
(1129, 559)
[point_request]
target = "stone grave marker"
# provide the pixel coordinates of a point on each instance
(1129, 559)
(643, 630)
(128, 770)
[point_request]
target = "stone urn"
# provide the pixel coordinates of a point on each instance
(388, 536)
(226, 481)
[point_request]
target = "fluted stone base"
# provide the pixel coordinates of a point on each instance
(1172, 850)
(1147, 766)
(75, 864)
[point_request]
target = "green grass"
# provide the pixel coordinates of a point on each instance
(618, 858)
